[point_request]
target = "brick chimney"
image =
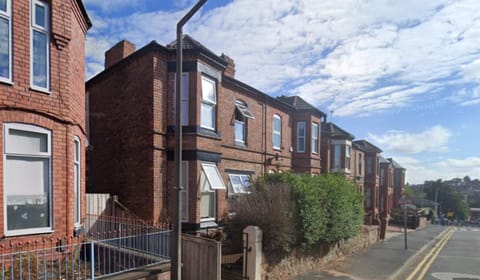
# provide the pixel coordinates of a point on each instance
(230, 70)
(118, 52)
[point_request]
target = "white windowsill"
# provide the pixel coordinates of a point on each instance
(39, 89)
(7, 82)
(27, 232)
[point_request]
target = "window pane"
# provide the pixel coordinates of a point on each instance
(277, 124)
(26, 142)
(77, 150)
(336, 159)
(39, 59)
(245, 182)
(208, 90)
(40, 15)
(239, 131)
(236, 183)
(4, 48)
(183, 198)
(27, 196)
(207, 205)
(3, 5)
(207, 115)
(213, 176)
(76, 175)
(276, 140)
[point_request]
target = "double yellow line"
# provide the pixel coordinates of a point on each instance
(427, 261)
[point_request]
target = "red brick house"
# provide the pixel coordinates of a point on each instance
(232, 132)
(42, 114)
(358, 166)
(337, 150)
(398, 182)
(372, 177)
(386, 193)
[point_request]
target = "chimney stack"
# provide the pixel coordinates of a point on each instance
(118, 52)
(230, 70)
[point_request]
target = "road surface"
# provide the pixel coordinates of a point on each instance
(456, 257)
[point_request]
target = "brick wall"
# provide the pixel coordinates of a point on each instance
(61, 110)
(121, 134)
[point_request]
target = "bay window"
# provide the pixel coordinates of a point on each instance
(5, 41)
(208, 104)
(27, 179)
(337, 155)
(301, 131)
(347, 157)
(77, 182)
(315, 133)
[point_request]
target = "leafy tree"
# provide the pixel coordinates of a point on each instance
(448, 197)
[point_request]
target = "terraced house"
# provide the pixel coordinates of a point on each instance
(232, 132)
(42, 114)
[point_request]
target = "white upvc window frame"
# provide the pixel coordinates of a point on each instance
(77, 181)
(7, 15)
(184, 98)
(348, 157)
(44, 155)
(184, 215)
(242, 187)
(337, 157)
(45, 30)
(315, 137)
(276, 132)
(212, 187)
(212, 103)
(301, 137)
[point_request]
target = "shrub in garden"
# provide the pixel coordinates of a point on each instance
(272, 208)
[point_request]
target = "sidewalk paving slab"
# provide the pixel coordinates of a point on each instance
(383, 260)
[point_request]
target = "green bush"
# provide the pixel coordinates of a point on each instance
(299, 211)
(270, 207)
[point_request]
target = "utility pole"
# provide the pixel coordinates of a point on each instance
(176, 271)
(405, 223)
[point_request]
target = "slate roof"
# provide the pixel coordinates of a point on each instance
(384, 160)
(395, 164)
(366, 146)
(299, 104)
(190, 44)
(335, 131)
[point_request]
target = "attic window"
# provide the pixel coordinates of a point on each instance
(243, 109)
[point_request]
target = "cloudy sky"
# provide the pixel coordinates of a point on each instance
(404, 75)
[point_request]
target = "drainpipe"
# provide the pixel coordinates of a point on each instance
(176, 271)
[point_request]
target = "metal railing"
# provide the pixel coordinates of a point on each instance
(87, 259)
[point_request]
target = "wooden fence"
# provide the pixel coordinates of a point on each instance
(201, 258)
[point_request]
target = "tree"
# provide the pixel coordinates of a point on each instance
(449, 198)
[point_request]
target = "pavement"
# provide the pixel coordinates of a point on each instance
(384, 260)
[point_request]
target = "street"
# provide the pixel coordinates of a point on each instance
(457, 258)
(434, 253)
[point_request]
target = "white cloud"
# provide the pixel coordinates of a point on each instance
(353, 57)
(434, 139)
(419, 171)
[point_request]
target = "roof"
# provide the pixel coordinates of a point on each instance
(395, 164)
(300, 104)
(384, 160)
(190, 44)
(425, 202)
(84, 13)
(366, 146)
(335, 131)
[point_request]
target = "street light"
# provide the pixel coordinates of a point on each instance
(176, 271)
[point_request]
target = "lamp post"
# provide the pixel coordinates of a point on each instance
(176, 271)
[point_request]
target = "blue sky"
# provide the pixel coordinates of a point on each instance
(404, 75)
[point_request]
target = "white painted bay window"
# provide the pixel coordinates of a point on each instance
(208, 104)
(40, 42)
(6, 41)
(315, 135)
(27, 179)
(210, 181)
(301, 133)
